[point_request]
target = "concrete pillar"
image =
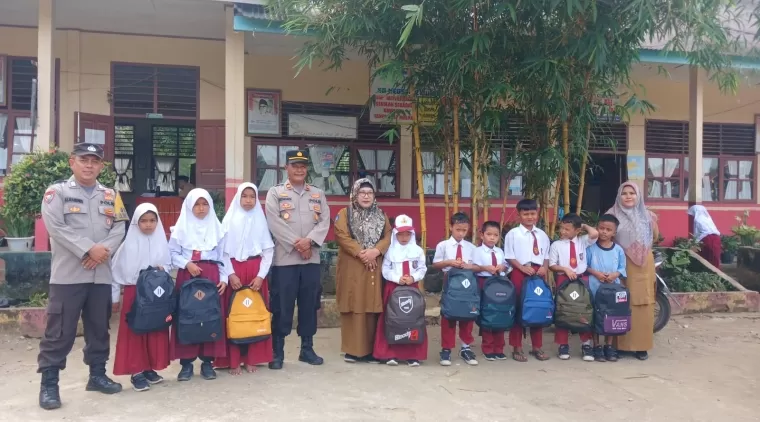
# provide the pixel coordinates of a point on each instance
(696, 117)
(45, 76)
(406, 163)
(234, 108)
(70, 90)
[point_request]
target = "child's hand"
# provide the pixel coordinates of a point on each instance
(221, 287)
(501, 268)
(406, 279)
(527, 270)
(193, 269)
(541, 272)
(235, 282)
(458, 263)
(570, 273)
(489, 269)
(160, 267)
(115, 308)
(257, 282)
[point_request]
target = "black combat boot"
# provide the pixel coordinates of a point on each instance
(49, 397)
(278, 355)
(307, 352)
(100, 382)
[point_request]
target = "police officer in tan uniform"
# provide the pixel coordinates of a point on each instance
(299, 218)
(86, 228)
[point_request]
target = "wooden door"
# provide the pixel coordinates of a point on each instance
(209, 155)
(95, 128)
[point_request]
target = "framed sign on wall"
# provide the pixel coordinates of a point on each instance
(264, 112)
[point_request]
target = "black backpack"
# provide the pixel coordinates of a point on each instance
(612, 310)
(574, 307)
(460, 300)
(498, 304)
(199, 316)
(155, 302)
(405, 316)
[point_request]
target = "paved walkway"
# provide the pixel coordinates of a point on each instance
(703, 369)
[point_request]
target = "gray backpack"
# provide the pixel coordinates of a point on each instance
(574, 307)
(405, 316)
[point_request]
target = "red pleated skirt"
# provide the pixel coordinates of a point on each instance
(137, 353)
(711, 249)
(215, 349)
(383, 350)
(250, 354)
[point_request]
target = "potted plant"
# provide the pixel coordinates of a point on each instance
(19, 232)
(747, 234)
(729, 247)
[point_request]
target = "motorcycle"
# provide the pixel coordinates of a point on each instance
(662, 304)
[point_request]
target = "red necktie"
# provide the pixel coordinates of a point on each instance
(535, 243)
(196, 256)
(493, 259)
(459, 252)
(573, 258)
(405, 268)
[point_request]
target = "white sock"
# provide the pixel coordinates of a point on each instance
(465, 346)
(587, 343)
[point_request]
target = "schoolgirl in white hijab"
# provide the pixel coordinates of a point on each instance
(394, 267)
(140, 355)
(403, 264)
(249, 245)
(196, 246)
(703, 223)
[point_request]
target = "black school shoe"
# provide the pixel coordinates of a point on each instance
(350, 358)
(641, 355)
(152, 377)
(587, 352)
(610, 353)
(207, 371)
(490, 356)
(140, 382)
(599, 354)
(186, 373)
(564, 351)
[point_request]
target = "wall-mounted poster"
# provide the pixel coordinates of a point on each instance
(3, 95)
(264, 112)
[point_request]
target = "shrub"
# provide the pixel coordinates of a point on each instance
(29, 178)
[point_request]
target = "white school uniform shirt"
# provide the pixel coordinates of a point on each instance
(518, 245)
(482, 257)
(559, 254)
(447, 249)
(393, 271)
(181, 256)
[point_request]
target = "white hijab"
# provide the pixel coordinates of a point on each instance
(195, 234)
(398, 252)
(139, 251)
(703, 223)
(247, 231)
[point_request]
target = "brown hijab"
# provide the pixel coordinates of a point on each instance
(367, 224)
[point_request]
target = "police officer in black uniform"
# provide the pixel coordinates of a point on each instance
(85, 222)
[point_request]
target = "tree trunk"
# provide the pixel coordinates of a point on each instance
(582, 182)
(474, 171)
(566, 172)
(446, 184)
(456, 157)
(555, 205)
(418, 158)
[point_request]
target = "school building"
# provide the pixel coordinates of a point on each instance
(207, 89)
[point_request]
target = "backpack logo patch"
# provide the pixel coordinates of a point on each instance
(406, 304)
(159, 291)
(247, 302)
(199, 295)
(538, 291)
(621, 297)
(574, 295)
(466, 284)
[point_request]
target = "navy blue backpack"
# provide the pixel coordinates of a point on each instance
(536, 303)
(461, 297)
(498, 304)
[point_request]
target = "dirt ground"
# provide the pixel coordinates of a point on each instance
(703, 368)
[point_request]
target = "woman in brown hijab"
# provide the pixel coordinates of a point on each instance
(363, 234)
(636, 234)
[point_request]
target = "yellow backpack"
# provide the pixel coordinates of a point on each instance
(249, 320)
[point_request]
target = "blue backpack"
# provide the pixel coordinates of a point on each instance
(461, 297)
(498, 304)
(536, 303)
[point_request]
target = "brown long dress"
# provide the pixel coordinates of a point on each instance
(641, 283)
(359, 291)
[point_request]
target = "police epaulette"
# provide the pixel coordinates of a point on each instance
(60, 181)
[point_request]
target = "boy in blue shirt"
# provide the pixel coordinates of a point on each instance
(606, 264)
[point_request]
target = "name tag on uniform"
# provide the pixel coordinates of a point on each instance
(70, 199)
(108, 203)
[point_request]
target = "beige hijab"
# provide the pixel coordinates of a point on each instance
(634, 234)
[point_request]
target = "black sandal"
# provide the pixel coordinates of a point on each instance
(539, 354)
(641, 355)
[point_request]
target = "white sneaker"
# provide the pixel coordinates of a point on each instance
(468, 356)
(391, 362)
